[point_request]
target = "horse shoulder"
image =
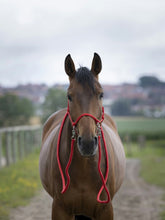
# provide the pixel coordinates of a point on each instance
(117, 149)
(110, 122)
(50, 128)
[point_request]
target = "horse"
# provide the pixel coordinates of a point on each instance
(82, 159)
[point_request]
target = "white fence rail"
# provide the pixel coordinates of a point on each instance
(17, 142)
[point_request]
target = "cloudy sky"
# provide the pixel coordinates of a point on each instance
(36, 36)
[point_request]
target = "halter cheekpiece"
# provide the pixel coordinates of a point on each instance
(100, 134)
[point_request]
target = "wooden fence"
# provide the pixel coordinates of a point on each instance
(17, 142)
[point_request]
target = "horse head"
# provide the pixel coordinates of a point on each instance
(85, 96)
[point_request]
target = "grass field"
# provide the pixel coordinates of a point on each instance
(134, 126)
(152, 158)
(18, 183)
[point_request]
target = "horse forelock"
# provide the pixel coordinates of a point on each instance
(86, 78)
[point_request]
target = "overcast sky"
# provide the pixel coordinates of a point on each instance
(36, 36)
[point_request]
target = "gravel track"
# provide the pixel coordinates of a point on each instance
(135, 200)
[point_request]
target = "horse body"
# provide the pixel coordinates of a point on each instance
(80, 198)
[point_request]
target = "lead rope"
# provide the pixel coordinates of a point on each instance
(100, 133)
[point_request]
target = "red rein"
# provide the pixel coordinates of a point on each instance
(100, 133)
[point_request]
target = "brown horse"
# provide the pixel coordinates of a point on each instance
(79, 201)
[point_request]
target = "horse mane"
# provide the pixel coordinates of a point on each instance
(85, 76)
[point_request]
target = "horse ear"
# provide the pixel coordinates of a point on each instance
(69, 66)
(96, 64)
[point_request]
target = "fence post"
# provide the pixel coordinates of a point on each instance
(8, 148)
(0, 150)
(141, 141)
(20, 145)
(26, 142)
(128, 143)
(38, 138)
(13, 147)
(31, 141)
(17, 142)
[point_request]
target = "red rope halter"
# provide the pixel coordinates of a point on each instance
(100, 133)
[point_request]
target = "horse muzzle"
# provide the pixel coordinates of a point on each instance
(87, 146)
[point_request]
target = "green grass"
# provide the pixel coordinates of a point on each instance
(127, 124)
(18, 183)
(151, 148)
(150, 127)
(153, 172)
(152, 158)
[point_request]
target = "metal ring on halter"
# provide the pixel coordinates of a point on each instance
(73, 133)
(98, 128)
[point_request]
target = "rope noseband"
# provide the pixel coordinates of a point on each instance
(73, 138)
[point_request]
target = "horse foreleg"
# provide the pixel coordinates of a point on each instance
(106, 213)
(58, 213)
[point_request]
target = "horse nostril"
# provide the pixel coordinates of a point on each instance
(79, 140)
(95, 141)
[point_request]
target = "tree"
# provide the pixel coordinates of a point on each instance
(54, 100)
(149, 81)
(121, 107)
(15, 110)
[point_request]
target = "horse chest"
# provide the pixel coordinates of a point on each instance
(80, 200)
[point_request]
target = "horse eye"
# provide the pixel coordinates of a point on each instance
(70, 98)
(101, 95)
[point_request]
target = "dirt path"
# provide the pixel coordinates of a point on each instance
(135, 200)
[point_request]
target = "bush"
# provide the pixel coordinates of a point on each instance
(54, 100)
(15, 110)
(121, 107)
